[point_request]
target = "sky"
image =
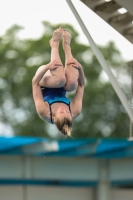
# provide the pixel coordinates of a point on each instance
(31, 13)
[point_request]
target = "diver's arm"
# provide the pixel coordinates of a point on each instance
(43, 69)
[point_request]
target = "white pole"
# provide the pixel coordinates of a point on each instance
(103, 62)
(131, 102)
(103, 187)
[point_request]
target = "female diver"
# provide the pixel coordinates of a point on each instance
(52, 81)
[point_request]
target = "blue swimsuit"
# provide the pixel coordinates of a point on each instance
(54, 95)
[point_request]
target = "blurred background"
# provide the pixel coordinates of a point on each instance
(25, 30)
(24, 46)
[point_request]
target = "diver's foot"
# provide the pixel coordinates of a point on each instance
(66, 39)
(56, 37)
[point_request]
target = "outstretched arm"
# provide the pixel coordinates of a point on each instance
(77, 103)
(38, 97)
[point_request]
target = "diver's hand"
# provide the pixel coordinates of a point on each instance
(54, 65)
(74, 63)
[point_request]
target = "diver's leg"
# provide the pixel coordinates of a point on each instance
(56, 78)
(71, 73)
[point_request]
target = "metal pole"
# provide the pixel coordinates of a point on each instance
(103, 63)
(103, 188)
(131, 101)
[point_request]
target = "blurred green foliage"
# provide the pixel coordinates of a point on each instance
(102, 114)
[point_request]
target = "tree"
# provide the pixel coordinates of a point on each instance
(102, 115)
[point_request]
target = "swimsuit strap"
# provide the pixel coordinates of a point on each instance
(51, 114)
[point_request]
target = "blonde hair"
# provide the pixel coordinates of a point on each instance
(64, 125)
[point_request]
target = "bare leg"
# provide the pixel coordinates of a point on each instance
(57, 78)
(71, 73)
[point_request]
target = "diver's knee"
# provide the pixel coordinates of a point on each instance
(71, 84)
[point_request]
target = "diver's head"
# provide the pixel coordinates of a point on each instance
(63, 120)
